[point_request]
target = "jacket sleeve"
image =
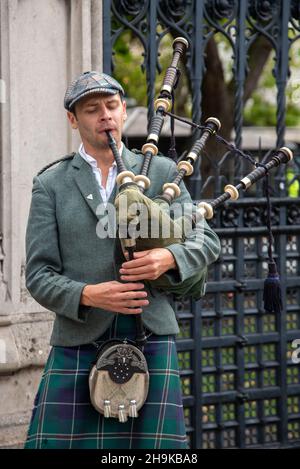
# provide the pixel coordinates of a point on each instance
(44, 279)
(201, 246)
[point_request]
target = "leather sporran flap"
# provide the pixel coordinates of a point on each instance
(119, 380)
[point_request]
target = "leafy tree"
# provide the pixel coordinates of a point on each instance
(218, 87)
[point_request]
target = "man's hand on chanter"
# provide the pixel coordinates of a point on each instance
(148, 265)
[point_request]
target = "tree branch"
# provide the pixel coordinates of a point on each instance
(259, 54)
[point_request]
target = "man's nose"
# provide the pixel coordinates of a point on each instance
(105, 114)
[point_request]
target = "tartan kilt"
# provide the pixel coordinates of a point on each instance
(64, 418)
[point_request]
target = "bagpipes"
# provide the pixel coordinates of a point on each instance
(134, 209)
(119, 379)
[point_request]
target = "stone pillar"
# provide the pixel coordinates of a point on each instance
(43, 46)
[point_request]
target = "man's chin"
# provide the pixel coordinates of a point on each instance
(101, 145)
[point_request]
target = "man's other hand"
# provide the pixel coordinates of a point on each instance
(125, 298)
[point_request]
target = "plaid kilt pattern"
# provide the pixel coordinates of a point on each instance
(64, 418)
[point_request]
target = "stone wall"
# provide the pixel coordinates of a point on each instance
(43, 46)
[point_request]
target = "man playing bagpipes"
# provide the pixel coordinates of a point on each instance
(97, 294)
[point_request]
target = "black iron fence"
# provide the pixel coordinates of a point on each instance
(240, 379)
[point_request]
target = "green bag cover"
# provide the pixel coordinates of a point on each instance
(150, 224)
(145, 220)
(192, 287)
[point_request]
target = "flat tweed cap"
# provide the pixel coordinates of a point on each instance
(90, 82)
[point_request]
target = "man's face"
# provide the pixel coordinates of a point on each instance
(94, 115)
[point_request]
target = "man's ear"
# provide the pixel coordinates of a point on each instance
(72, 120)
(124, 111)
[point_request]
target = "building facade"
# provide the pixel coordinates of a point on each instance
(43, 46)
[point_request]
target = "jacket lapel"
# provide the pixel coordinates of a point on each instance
(87, 184)
(130, 159)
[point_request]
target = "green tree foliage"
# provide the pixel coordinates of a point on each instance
(129, 65)
(260, 86)
(261, 108)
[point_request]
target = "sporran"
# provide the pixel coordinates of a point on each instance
(119, 379)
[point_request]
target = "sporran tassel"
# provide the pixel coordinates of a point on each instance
(132, 409)
(107, 409)
(122, 414)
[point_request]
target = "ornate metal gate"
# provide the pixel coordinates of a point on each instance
(240, 379)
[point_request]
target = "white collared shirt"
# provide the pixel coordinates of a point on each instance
(105, 192)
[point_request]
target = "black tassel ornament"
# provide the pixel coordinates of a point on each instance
(272, 288)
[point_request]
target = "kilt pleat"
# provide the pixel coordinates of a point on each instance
(64, 418)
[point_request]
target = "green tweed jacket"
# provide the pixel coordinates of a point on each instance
(64, 252)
